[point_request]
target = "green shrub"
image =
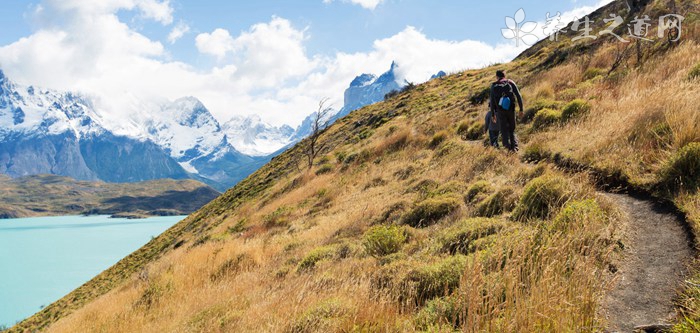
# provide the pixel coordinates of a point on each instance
(393, 213)
(574, 109)
(577, 213)
(461, 237)
(496, 204)
(430, 281)
(694, 73)
(463, 128)
(440, 314)
(472, 131)
(425, 187)
(546, 117)
(319, 318)
(568, 94)
(480, 97)
(682, 171)
(538, 105)
(593, 73)
(451, 187)
(475, 190)
(324, 169)
(542, 197)
(316, 255)
(438, 139)
(380, 241)
(278, 218)
(431, 211)
(535, 152)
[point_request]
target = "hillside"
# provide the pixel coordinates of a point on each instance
(48, 195)
(407, 222)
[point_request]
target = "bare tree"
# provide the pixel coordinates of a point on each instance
(319, 122)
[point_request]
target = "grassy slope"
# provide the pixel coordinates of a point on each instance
(44, 195)
(387, 239)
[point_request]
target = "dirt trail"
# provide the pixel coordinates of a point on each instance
(657, 250)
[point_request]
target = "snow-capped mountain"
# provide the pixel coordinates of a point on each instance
(368, 89)
(251, 136)
(48, 132)
(365, 89)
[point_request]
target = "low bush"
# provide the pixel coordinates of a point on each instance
(324, 169)
(593, 73)
(546, 117)
(576, 214)
(542, 197)
(480, 97)
(545, 92)
(461, 237)
(472, 131)
(438, 139)
(538, 105)
(393, 213)
(380, 240)
(278, 218)
(535, 152)
(682, 171)
(315, 256)
(431, 281)
(476, 190)
(694, 73)
(496, 204)
(575, 109)
(430, 211)
(463, 128)
(425, 187)
(440, 315)
(321, 317)
(451, 187)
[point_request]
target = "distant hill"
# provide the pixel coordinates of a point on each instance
(50, 195)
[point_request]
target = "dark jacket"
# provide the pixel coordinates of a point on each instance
(490, 125)
(494, 99)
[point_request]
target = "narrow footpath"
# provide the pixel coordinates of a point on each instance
(657, 251)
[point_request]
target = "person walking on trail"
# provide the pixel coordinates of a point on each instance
(503, 95)
(492, 126)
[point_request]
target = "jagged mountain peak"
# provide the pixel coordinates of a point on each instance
(363, 80)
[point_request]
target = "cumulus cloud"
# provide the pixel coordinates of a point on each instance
(217, 43)
(368, 4)
(178, 32)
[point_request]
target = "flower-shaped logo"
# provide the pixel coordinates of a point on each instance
(520, 30)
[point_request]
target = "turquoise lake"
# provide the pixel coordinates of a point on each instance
(43, 259)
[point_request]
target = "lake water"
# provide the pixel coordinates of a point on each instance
(43, 259)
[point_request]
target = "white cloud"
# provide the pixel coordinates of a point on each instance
(178, 32)
(218, 43)
(160, 11)
(368, 4)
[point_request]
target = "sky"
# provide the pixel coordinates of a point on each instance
(271, 58)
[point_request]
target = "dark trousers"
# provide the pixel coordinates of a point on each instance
(493, 138)
(507, 120)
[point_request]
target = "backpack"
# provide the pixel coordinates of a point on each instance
(504, 92)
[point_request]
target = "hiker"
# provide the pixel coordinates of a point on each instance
(503, 95)
(491, 126)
